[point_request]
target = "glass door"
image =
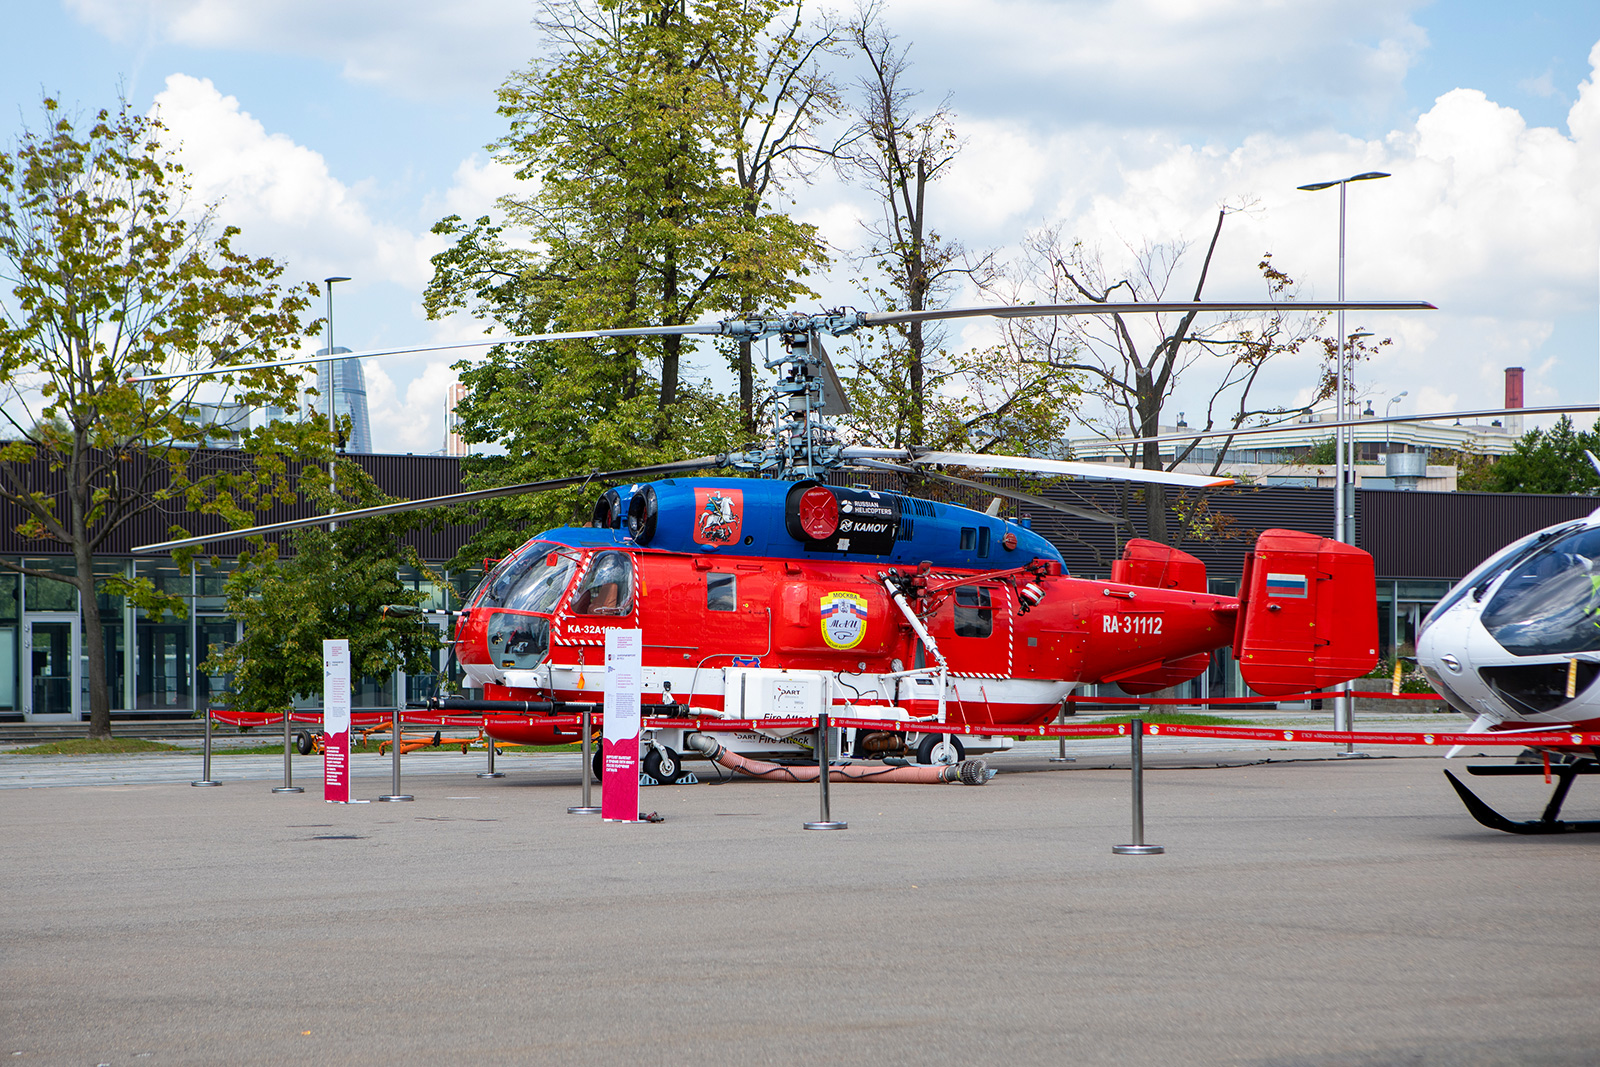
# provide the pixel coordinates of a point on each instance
(50, 655)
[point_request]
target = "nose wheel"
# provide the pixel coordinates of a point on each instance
(662, 764)
(941, 750)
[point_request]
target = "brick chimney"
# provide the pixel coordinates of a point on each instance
(1514, 399)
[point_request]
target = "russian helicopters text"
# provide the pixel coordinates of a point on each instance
(779, 595)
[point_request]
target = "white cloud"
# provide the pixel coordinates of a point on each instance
(475, 187)
(412, 48)
(281, 194)
(1225, 63)
(288, 204)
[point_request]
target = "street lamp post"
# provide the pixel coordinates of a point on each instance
(333, 419)
(1342, 473)
(1342, 465)
(1388, 409)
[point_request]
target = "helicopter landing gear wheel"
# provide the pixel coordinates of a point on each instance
(941, 750)
(594, 764)
(663, 765)
(302, 742)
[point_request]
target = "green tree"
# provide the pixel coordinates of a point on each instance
(1543, 461)
(628, 137)
(341, 583)
(113, 272)
(1322, 452)
(898, 152)
(1131, 364)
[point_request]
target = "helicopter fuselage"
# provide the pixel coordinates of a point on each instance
(741, 575)
(1516, 643)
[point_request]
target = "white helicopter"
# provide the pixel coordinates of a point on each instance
(1516, 645)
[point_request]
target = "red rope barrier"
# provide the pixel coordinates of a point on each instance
(1547, 738)
(1315, 694)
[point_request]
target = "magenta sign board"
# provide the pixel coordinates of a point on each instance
(619, 742)
(336, 721)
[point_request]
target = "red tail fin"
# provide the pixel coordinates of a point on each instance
(1308, 614)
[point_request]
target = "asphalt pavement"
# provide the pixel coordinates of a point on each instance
(1307, 911)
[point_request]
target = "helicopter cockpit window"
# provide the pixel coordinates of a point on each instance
(721, 592)
(974, 614)
(518, 642)
(607, 588)
(540, 586)
(491, 592)
(1549, 603)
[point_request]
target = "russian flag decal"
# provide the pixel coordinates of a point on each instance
(1287, 585)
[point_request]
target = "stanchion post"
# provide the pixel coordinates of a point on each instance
(827, 822)
(1347, 704)
(205, 759)
(394, 788)
(288, 785)
(586, 808)
(1138, 847)
(1061, 742)
(490, 772)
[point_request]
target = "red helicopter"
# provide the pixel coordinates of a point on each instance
(778, 595)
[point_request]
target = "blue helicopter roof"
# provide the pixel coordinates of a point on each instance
(756, 517)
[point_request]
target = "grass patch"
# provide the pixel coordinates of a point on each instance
(1175, 718)
(85, 746)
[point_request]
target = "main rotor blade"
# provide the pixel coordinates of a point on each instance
(1364, 420)
(486, 342)
(434, 502)
(1103, 471)
(834, 399)
(1033, 311)
(996, 490)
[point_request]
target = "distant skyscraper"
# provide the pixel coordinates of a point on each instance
(349, 397)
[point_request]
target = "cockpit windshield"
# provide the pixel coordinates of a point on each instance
(1549, 603)
(531, 579)
(539, 587)
(1484, 574)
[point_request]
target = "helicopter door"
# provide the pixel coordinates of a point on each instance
(607, 586)
(976, 633)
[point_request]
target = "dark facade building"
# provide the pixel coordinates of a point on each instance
(1422, 542)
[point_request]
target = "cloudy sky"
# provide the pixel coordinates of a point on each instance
(336, 133)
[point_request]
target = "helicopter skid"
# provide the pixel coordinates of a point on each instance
(1548, 823)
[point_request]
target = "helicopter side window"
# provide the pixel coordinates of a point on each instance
(1549, 603)
(518, 641)
(721, 592)
(974, 613)
(540, 586)
(607, 588)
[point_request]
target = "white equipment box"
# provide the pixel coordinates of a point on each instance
(759, 693)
